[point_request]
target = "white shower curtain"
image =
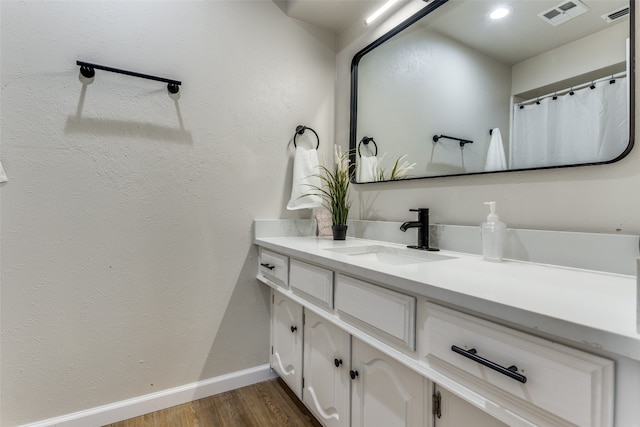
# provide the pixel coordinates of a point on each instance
(589, 126)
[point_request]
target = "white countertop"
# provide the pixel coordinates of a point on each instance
(595, 309)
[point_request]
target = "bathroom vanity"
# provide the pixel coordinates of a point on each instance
(370, 333)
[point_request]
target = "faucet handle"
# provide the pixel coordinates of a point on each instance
(419, 210)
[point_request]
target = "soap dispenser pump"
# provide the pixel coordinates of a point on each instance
(493, 235)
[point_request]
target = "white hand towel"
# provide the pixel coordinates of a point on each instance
(305, 170)
(496, 160)
(3, 176)
(368, 168)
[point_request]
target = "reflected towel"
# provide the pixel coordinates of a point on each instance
(368, 168)
(3, 176)
(496, 160)
(305, 170)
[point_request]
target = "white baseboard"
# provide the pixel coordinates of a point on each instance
(152, 402)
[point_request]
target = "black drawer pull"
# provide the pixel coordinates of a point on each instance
(293, 329)
(353, 374)
(269, 266)
(511, 371)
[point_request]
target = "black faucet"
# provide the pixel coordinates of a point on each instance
(423, 233)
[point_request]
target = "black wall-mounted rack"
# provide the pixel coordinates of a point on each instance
(87, 69)
(460, 140)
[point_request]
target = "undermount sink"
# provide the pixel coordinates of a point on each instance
(391, 255)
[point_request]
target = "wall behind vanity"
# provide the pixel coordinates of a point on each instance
(127, 258)
(591, 198)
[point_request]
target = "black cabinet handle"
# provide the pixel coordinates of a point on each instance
(269, 266)
(337, 362)
(293, 329)
(353, 374)
(511, 371)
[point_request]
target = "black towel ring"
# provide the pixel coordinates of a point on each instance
(366, 140)
(300, 130)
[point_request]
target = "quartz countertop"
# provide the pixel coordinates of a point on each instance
(595, 309)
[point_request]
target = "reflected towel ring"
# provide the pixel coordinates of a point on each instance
(366, 140)
(300, 130)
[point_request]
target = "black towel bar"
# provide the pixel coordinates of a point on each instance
(87, 69)
(460, 140)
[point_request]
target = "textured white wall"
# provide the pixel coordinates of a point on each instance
(591, 53)
(127, 257)
(590, 198)
(422, 84)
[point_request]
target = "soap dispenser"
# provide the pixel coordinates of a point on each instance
(493, 235)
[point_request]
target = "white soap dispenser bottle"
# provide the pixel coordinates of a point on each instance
(493, 234)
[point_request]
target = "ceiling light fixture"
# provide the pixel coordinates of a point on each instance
(375, 15)
(499, 13)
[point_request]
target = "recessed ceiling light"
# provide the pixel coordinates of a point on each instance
(499, 13)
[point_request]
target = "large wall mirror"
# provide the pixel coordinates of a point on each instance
(452, 91)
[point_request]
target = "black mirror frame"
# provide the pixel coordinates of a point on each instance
(421, 14)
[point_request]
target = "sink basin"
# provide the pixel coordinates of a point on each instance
(390, 255)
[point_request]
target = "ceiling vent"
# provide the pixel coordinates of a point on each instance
(616, 14)
(563, 12)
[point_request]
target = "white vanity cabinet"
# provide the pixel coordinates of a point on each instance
(385, 314)
(327, 356)
(377, 355)
(274, 267)
(313, 283)
(451, 411)
(554, 383)
(384, 392)
(286, 341)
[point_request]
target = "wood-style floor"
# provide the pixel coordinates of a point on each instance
(266, 404)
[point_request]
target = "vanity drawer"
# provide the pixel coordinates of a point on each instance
(274, 267)
(386, 314)
(312, 283)
(571, 384)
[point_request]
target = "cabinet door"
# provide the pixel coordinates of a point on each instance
(455, 412)
(327, 351)
(286, 341)
(384, 393)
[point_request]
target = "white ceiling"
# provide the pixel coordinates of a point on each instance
(334, 15)
(522, 35)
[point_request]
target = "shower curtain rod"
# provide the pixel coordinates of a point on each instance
(569, 89)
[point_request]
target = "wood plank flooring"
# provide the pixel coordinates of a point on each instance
(266, 404)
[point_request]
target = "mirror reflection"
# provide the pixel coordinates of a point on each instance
(458, 92)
